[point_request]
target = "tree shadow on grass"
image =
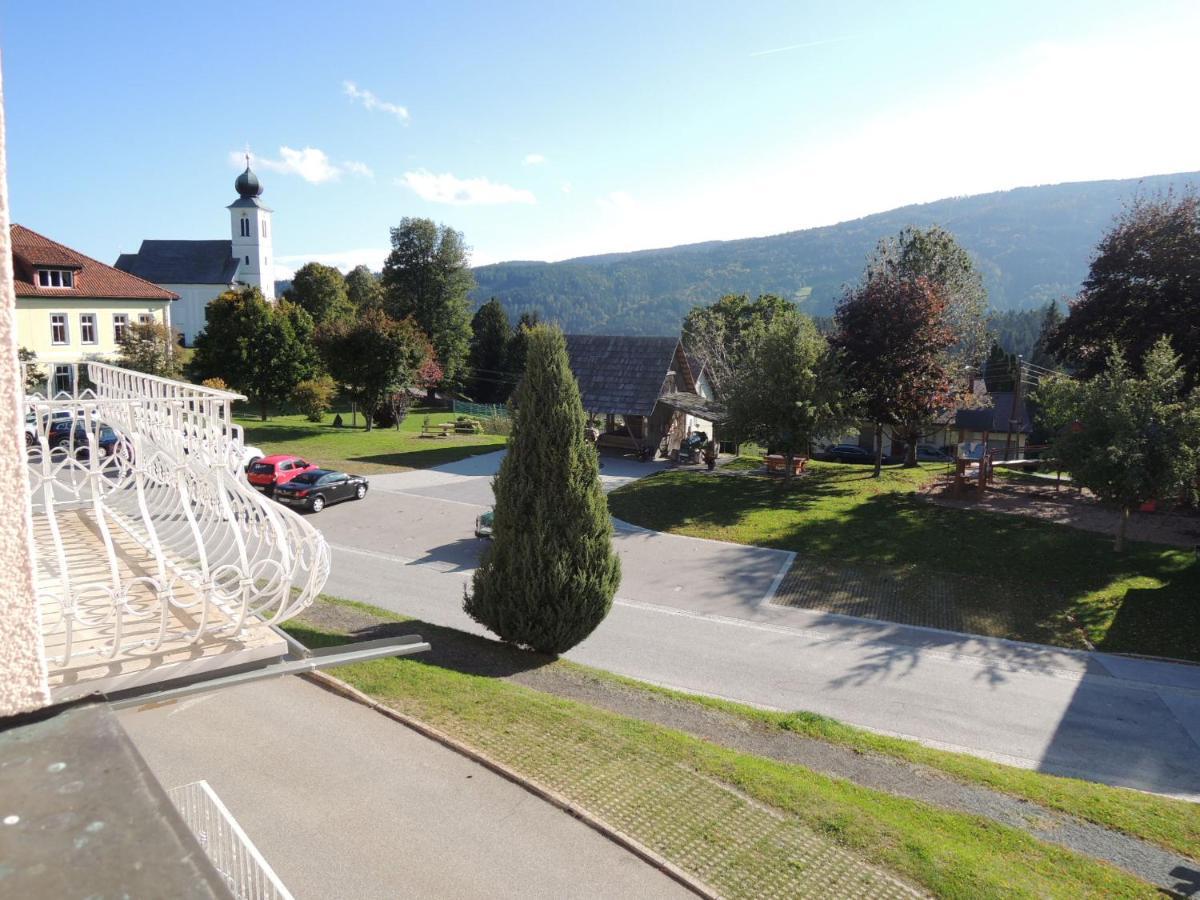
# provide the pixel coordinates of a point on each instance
(450, 649)
(667, 501)
(426, 458)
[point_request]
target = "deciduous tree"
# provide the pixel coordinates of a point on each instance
(718, 333)
(258, 348)
(892, 339)
(321, 292)
(363, 288)
(1141, 286)
(1127, 438)
(786, 391)
(549, 575)
(427, 276)
(934, 254)
(372, 356)
(150, 347)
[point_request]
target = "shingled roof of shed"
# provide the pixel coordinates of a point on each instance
(620, 374)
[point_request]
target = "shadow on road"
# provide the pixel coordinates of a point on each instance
(450, 648)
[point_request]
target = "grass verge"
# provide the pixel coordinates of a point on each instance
(746, 825)
(1173, 824)
(378, 451)
(1051, 580)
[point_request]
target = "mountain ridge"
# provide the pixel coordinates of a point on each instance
(1031, 243)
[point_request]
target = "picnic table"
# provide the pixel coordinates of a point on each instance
(777, 462)
(441, 429)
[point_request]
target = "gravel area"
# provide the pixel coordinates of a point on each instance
(1068, 506)
(467, 653)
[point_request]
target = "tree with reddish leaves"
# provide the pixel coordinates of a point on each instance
(1142, 286)
(892, 337)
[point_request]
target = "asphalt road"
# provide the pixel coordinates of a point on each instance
(691, 614)
(343, 802)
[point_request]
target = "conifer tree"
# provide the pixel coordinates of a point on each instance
(549, 576)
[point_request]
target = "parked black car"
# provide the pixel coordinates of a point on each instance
(317, 488)
(75, 439)
(848, 453)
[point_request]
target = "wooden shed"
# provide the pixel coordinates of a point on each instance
(637, 387)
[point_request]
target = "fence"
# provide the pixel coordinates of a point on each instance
(482, 410)
(227, 847)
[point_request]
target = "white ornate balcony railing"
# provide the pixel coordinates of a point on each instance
(146, 533)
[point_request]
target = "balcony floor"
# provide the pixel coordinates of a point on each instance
(89, 670)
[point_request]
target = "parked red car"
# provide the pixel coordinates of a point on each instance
(270, 471)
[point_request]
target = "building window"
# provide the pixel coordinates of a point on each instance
(56, 278)
(245, 227)
(87, 328)
(58, 328)
(247, 260)
(120, 326)
(62, 380)
(264, 224)
(145, 318)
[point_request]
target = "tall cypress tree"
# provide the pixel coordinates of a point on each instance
(550, 574)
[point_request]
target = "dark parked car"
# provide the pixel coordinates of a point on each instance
(848, 453)
(317, 488)
(930, 453)
(76, 439)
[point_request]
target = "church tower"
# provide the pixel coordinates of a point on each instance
(250, 222)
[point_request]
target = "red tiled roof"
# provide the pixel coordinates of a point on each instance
(31, 250)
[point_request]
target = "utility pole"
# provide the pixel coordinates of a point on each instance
(1016, 405)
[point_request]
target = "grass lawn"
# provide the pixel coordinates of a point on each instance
(746, 825)
(362, 452)
(1022, 579)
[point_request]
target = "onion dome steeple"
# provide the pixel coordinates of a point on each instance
(247, 184)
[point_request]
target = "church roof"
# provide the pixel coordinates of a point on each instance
(31, 251)
(182, 262)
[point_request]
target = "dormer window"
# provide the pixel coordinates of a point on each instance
(55, 278)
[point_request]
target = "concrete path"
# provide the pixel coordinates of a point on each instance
(691, 614)
(343, 802)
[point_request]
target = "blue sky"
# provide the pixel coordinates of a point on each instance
(544, 131)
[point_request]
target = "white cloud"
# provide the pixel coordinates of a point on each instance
(311, 164)
(371, 102)
(566, 187)
(534, 159)
(447, 188)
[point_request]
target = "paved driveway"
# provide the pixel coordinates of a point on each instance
(427, 518)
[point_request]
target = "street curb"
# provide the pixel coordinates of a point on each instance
(341, 688)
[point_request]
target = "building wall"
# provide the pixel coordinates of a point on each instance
(188, 312)
(33, 324)
(23, 684)
(253, 252)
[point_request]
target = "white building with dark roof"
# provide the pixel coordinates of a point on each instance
(199, 271)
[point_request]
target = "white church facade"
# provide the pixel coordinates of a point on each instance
(199, 271)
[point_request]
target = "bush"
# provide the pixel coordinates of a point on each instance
(549, 575)
(313, 397)
(216, 384)
(497, 424)
(393, 410)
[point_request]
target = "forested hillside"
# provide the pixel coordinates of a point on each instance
(1031, 244)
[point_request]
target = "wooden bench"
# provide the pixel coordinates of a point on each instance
(442, 429)
(777, 462)
(471, 427)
